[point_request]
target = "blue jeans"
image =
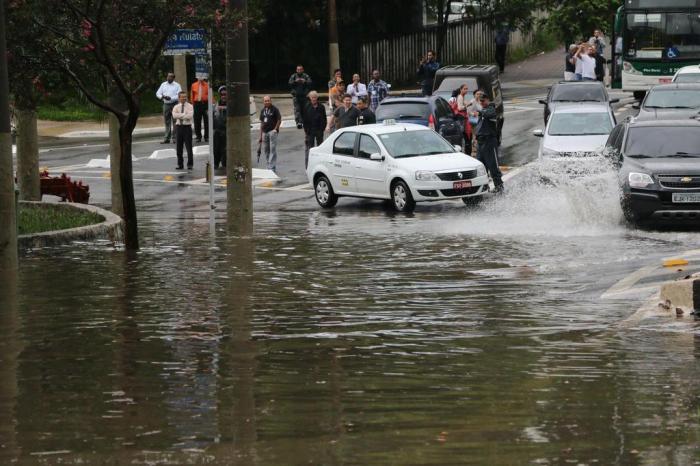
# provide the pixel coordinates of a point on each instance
(579, 77)
(269, 149)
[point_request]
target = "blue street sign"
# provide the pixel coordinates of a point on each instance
(201, 66)
(186, 41)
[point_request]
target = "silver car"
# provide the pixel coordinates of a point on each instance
(576, 130)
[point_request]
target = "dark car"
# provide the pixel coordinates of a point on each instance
(659, 170)
(484, 77)
(575, 91)
(433, 112)
(676, 101)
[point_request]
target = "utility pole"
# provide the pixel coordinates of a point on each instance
(8, 215)
(333, 51)
(239, 192)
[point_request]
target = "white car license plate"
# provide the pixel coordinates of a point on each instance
(461, 184)
(686, 198)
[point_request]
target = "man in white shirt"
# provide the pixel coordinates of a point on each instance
(168, 94)
(356, 89)
(586, 55)
(183, 114)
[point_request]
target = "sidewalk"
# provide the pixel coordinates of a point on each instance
(535, 72)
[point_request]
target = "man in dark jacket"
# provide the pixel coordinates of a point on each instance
(220, 130)
(366, 115)
(426, 73)
(487, 136)
(314, 124)
(300, 85)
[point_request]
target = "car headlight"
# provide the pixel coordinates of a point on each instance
(481, 170)
(423, 175)
(639, 180)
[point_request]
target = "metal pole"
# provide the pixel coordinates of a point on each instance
(210, 118)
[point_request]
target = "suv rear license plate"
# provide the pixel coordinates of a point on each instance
(686, 198)
(461, 184)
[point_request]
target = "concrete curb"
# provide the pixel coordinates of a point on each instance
(682, 294)
(111, 228)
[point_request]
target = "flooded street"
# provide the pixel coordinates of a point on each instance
(355, 337)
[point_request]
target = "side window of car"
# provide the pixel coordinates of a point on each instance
(367, 147)
(612, 138)
(345, 144)
(619, 139)
(496, 92)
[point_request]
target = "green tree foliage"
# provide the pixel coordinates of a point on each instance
(571, 20)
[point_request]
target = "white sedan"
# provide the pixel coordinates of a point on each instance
(405, 163)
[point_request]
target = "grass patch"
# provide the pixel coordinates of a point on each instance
(32, 218)
(73, 110)
(543, 41)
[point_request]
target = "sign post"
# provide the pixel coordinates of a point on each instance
(196, 42)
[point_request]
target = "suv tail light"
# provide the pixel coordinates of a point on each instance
(431, 122)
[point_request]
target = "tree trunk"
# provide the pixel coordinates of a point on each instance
(8, 216)
(333, 50)
(114, 157)
(239, 190)
(27, 155)
(126, 179)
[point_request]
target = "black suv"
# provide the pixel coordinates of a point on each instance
(676, 101)
(433, 112)
(485, 77)
(659, 170)
(575, 91)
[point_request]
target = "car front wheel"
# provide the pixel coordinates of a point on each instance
(325, 196)
(401, 197)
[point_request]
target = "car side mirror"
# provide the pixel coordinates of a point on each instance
(538, 133)
(542, 101)
(376, 156)
(636, 106)
(614, 101)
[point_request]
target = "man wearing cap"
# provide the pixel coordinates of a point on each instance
(487, 137)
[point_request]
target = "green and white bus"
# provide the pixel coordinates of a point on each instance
(652, 40)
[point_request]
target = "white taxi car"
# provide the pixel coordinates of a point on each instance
(405, 163)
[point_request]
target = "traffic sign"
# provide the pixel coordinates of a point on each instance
(201, 66)
(186, 41)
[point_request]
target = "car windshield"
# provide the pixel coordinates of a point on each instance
(415, 143)
(687, 78)
(578, 93)
(673, 98)
(579, 124)
(403, 111)
(663, 141)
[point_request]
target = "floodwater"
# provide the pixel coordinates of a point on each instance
(356, 337)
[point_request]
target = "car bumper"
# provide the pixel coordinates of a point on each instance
(657, 207)
(442, 190)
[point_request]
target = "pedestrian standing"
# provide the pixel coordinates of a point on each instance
(220, 130)
(183, 114)
(473, 109)
(377, 90)
(599, 64)
(199, 96)
(487, 135)
(570, 64)
(336, 95)
(314, 124)
(426, 72)
(337, 77)
(344, 116)
(356, 89)
(365, 114)
(597, 40)
(300, 85)
(168, 94)
(502, 39)
(584, 55)
(270, 122)
(462, 106)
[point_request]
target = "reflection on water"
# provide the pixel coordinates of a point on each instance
(354, 338)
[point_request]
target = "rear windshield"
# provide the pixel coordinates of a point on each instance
(673, 98)
(574, 93)
(579, 124)
(403, 111)
(452, 83)
(687, 78)
(663, 141)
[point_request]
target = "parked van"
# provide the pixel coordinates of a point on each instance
(449, 78)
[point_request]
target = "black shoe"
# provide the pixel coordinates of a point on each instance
(189, 167)
(167, 141)
(206, 139)
(199, 140)
(498, 189)
(179, 167)
(299, 126)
